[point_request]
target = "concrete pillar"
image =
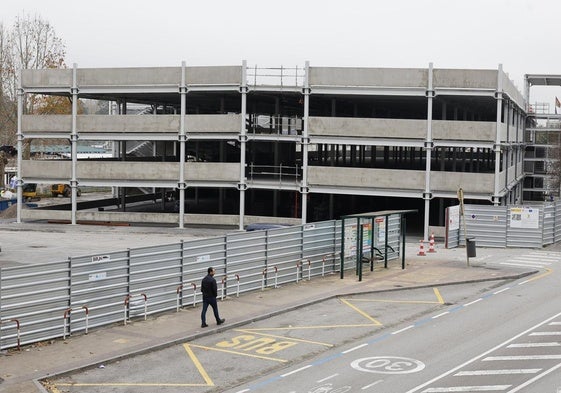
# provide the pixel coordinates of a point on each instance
(305, 144)
(181, 186)
(428, 148)
(73, 145)
(243, 141)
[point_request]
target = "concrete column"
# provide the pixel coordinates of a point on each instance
(428, 148)
(21, 94)
(499, 97)
(73, 144)
(305, 143)
(181, 186)
(243, 141)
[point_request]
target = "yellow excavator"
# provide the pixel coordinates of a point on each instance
(64, 190)
(30, 192)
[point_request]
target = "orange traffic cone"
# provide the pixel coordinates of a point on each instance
(421, 249)
(431, 243)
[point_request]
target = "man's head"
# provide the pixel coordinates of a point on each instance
(210, 271)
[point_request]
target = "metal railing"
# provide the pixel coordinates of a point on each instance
(276, 76)
(274, 172)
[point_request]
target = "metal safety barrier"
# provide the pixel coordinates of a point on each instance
(127, 302)
(67, 315)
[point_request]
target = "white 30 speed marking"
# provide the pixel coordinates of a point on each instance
(388, 365)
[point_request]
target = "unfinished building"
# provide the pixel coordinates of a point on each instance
(233, 145)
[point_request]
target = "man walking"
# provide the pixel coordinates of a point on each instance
(210, 291)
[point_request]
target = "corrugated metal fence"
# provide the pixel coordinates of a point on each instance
(525, 226)
(56, 299)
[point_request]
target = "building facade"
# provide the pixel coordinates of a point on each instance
(235, 145)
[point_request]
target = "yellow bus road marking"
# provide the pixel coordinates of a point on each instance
(314, 327)
(283, 337)
(121, 384)
(239, 353)
(547, 273)
(393, 301)
(198, 365)
(438, 295)
(361, 312)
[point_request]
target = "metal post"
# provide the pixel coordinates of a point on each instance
(74, 143)
(305, 143)
(243, 140)
(428, 147)
(182, 141)
(20, 150)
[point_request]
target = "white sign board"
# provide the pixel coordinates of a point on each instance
(524, 217)
(203, 258)
(101, 258)
(97, 276)
(454, 218)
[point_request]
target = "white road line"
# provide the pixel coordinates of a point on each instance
(535, 345)
(545, 334)
(499, 372)
(453, 370)
(372, 384)
(475, 301)
(554, 323)
(530, 381)
(326, 378)
(243, 391)
(522, 357)
(404, 329)
(519, 264)
(502, 290)
(530, 262)
(355, 348)
(296, 371)
(441, 315)
(483, 388)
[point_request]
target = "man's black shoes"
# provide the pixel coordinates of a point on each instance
(204, 325)
(221, 321)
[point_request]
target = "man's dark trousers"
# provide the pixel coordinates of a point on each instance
(209, 301)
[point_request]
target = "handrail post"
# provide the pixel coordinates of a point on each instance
(276, 276)
(309, 270)
(263, 279)
(66, 315)
(223, 285)
(194, 293)
(298, 264)
(238, 287)
(178, 291)
(18, 335)
(87, 316)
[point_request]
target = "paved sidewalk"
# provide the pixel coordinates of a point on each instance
(20, 370)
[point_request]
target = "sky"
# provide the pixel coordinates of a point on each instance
(522, 35)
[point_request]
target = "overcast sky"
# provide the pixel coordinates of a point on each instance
(523, 35)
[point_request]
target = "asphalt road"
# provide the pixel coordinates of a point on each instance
(419, 340)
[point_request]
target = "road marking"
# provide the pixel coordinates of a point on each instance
(535, 345)
(372, 384)
(361, 312)
(404, 329)
(530, 381)
(124, 384)
(198, 364)
(485, 388)
(313, 327)
(545, 334)
(522, 357)
(498, 372)
(327, 378)
(475, 301)
(296, 371)
(355, 348)
(453, 370)
(440, 315)
(438, 296)
(283, 337)
(239, 353)
(501, 290)
(554, 324)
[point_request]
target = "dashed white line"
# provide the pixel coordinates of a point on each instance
(372, 384)
(404, 329)
(498, 372)
(355, 348)
(441, 315)
(327, 378)
(296, 371)
(554, 323)
(502, 290)
(475, 301)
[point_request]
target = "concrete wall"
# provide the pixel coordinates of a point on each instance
(130, 170)
(465, 79)
(46, 123)
(367, 178)
(128, 123)
(362, 127)
(470, 182)
(380, 77)
(229, 123)
(120, 77)
(463, 130)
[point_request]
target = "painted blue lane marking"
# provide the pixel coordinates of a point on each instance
(379, 338)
